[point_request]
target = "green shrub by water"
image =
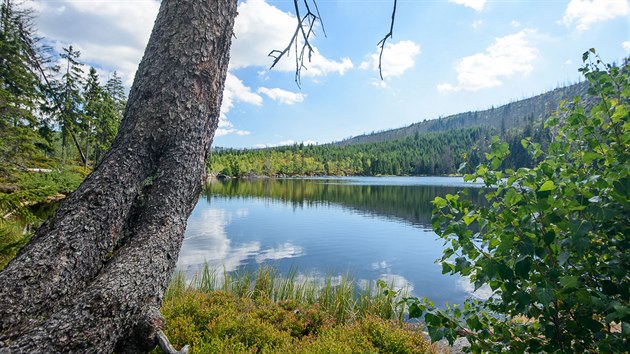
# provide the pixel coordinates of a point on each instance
(264, 312)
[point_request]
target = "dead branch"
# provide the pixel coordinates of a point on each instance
(303, 31)
(166, 345)
(382, 42)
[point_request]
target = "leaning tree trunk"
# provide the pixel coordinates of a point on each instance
(93, 276)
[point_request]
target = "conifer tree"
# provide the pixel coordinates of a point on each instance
(20, 93)
(93, 102)
(70, 99)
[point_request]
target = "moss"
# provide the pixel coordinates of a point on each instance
(221, 322)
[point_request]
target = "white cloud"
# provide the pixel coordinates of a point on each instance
(261, 28)
(585, 13)
(282, 96)
(515, 24)
(477, 5)
(477, 23)
(235, 91)
(626, 46)
(397, 58)
(506, 57)
(110, 35)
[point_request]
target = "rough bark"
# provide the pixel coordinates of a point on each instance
(93, 276)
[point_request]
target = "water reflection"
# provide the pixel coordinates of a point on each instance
(207, 242)
(407, 199)
(370, 228)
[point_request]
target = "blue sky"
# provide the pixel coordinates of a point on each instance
(445, 57)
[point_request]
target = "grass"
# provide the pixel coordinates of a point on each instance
(27, 202)
(264, 312)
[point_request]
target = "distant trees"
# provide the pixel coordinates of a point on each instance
(50, 114)
(436, 153)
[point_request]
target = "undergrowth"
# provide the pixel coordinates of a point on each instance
(22, 193)
(265, 313)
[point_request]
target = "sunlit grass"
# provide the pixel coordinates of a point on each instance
(341, 296)
(269, 312)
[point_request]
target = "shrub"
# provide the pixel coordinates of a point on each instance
(553, 243)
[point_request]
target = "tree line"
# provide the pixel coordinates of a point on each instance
(53, 109)
(434, 153)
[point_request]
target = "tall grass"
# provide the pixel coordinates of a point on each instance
(342, 297)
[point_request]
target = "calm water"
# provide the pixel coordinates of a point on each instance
(369, 227)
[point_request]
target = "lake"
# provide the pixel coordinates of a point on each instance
(369, 227)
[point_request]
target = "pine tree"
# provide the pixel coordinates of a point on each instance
(20, 93)
(113, 101)
(115, 89)
(93, 102)
(70, 100)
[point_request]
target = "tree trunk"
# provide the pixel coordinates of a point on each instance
(93, 276)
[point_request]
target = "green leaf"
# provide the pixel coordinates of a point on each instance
(439, 202)
(569, 281)
(545, 295)
(447, 268)
(512, 197)
(522, 267)
(415, 311)
(547, 186)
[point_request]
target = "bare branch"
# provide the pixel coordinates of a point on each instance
(384, 40)
(303, 31)
(166, 345)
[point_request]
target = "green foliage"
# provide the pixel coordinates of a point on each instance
(220, 321)
(423, 154)
(20, 93)
(26, 207)
(12, 238)
(553, 243)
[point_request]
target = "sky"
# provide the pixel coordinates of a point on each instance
(445, 57)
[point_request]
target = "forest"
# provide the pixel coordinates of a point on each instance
(57, 120)
(434, 153)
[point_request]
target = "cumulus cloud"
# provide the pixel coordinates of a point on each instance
(282, 96)
(584, 13)
(477, 5)
(397, 58)
(261, 28)
(626, 46)
(506, 57)
(111, 35)
(235, 91)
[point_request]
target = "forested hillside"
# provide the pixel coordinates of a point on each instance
(434, 153)
(518, 114)
(433, 147)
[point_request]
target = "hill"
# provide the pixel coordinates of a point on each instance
(516, 114)
(433, 147)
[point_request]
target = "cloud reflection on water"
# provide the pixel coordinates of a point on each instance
(483, 293)
(286, 250)
(207, 242)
